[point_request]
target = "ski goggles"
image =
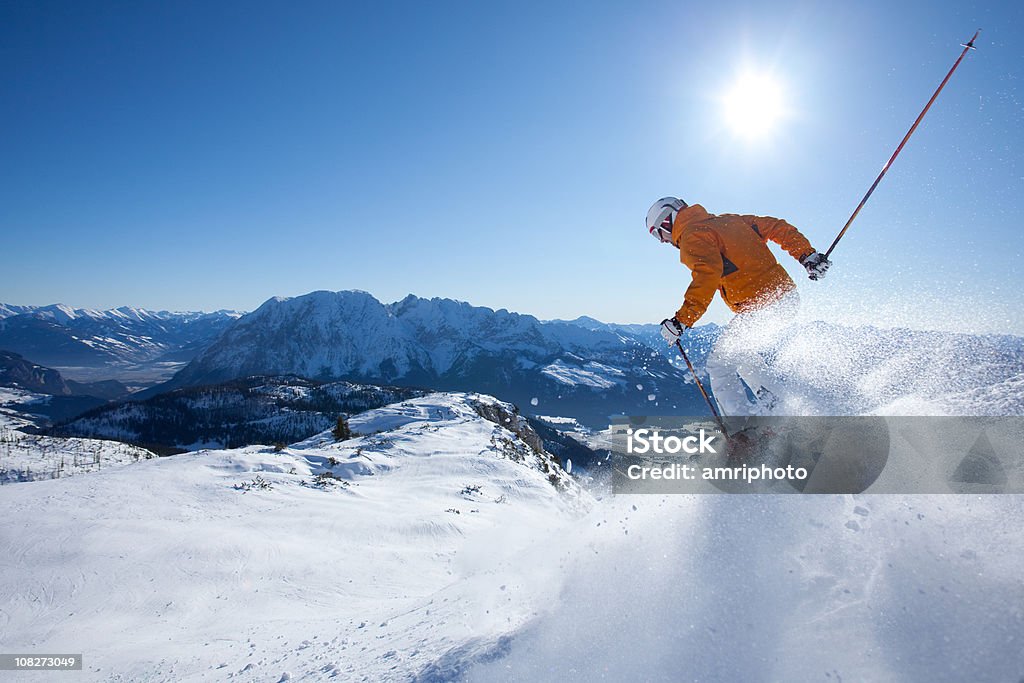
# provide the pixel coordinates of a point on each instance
(662, 228)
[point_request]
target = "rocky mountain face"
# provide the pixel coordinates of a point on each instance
(545, 367)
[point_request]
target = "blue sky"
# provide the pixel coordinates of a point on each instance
(213, 154)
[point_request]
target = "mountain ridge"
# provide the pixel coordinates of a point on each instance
(446, 345)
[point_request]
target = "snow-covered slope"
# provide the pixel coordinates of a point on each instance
(361, 560)
(559, 368)
(25, 456)
(440, 546)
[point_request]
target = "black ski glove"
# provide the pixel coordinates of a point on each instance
(816, 265)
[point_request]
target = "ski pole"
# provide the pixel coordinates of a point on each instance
(969, 45)
(700, 385)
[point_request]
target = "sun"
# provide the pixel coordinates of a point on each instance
(753, 105)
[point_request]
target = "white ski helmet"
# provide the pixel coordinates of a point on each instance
(661, 215)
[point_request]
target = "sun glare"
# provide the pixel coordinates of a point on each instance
(753, 106)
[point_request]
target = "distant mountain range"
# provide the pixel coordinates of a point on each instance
(107, 342)
(582, 368)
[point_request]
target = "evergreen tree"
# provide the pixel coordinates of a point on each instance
(341, 431)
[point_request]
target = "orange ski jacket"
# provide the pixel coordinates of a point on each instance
(730, 253)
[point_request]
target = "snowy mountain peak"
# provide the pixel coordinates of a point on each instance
(64, 313)
(59, 313)
(447, 345)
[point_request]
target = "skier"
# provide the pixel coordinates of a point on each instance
(729, 253)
